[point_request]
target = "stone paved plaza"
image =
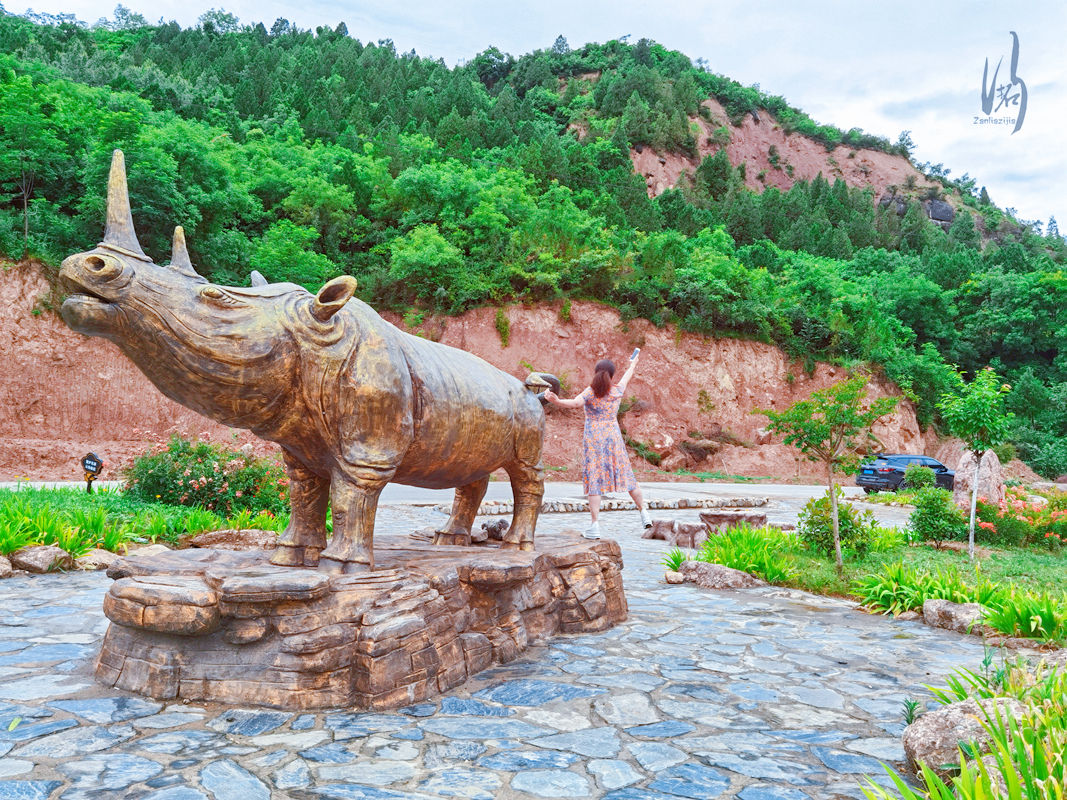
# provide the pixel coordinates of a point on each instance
(765, 694)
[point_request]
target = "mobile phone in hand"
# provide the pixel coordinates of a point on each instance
(633, 355)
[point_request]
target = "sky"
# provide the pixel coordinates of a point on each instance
(884, 67)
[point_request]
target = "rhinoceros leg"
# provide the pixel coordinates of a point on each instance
(355, 503)
(305, 536)
(528, 486)
(464, 509)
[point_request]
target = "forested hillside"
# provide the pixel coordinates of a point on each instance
(310, 154)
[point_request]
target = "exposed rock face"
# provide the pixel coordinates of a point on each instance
(229, 626)
(41, 558)
(933, 738)
(230, 539)
(800, 158)
(651, 429)
(54, 395)
(960, 617)
(716, 576)
(990, 479)
(5, 567)
(940, 211)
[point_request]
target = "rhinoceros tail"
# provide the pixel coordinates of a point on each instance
(538, 382)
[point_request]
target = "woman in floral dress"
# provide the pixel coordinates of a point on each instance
(605, 462)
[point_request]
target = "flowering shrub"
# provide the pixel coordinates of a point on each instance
(1019, 521)
(210, 476)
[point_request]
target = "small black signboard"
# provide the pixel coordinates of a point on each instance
(92, 465)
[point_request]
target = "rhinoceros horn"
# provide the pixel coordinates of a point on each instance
(257, 278)
(179, 254)
(119, 234)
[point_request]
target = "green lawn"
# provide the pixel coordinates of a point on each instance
(1027, 568)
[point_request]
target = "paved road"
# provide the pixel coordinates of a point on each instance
(765, 694)
(785, 500)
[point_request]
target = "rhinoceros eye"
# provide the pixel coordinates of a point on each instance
(219, 296)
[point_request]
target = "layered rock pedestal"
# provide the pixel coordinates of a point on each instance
(232, 627)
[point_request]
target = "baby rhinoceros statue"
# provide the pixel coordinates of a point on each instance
(353, 401)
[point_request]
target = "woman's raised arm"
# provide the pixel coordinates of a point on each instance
(625, 379)
(555, 399)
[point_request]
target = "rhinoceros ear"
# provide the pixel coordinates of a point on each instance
(332, 297)
(257, 278)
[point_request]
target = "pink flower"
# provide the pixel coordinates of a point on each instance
(238, 493)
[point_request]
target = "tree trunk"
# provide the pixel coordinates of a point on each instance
(25, 226)
(974, 504)
(840, 563)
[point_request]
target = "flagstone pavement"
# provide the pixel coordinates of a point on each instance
(764, 694)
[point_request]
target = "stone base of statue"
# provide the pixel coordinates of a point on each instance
(231, 627)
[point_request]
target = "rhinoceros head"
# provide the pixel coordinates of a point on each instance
(227, 352)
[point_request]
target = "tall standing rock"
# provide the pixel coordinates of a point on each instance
(990, 479)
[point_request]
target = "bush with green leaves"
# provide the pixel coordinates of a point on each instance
(815, 526)
(936, 518)
(918, 476)
(213, 477)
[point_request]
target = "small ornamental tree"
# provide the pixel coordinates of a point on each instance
(830, 426)
(975, 413)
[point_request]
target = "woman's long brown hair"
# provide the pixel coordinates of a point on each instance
(601, 383)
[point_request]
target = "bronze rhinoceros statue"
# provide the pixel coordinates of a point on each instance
(353, 401)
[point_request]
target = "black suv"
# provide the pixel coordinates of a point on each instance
(886, 472)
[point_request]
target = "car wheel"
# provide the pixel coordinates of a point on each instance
(869, 490)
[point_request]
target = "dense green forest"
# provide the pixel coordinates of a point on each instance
(308, 154)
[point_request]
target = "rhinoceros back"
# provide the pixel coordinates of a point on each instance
(468, 417)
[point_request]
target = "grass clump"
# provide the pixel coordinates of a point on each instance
(763, 552)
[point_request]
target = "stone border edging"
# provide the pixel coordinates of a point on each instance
(580, 505)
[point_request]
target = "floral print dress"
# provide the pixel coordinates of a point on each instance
(605, 462)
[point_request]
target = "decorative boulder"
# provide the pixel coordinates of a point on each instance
(41, 558)
(722, 519)
(990, 479)
(716, 576)
(933, 739)
(661, 529)
(677, 534)
(96, 559)
(232, 539)
(960, 617)
(5, 567)
(495, 530)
